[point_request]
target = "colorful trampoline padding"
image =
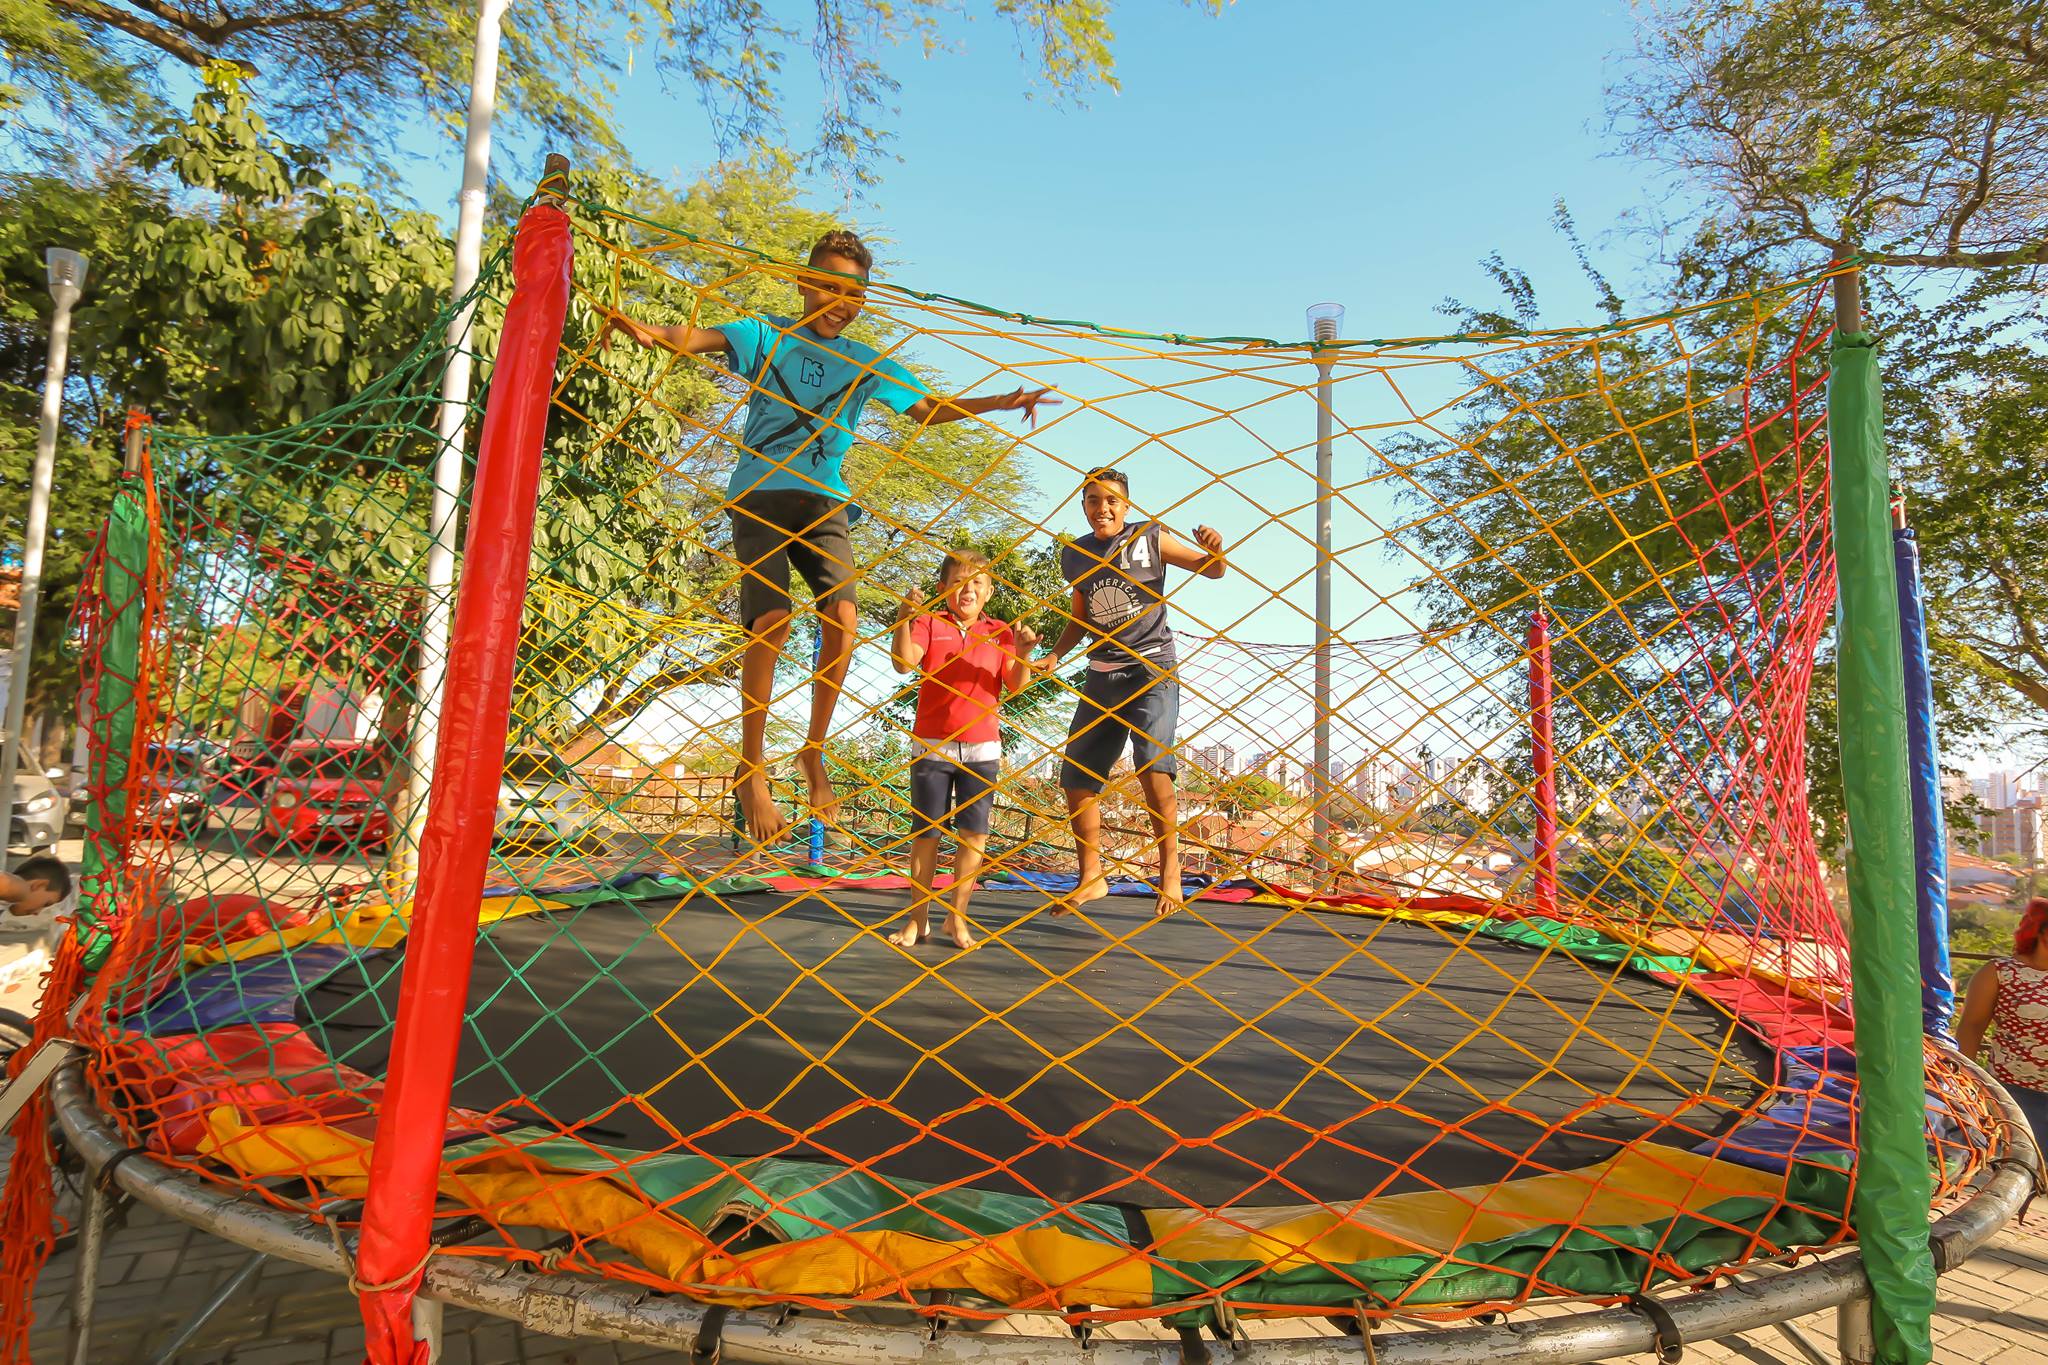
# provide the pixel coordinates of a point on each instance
(254, 1092)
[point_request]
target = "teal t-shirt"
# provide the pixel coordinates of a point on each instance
(809, 394)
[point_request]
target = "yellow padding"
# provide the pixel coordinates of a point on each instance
(1806, 967)
(1456, 919)
(1016, 1268)
(375, 924)
(1437, 1222)
(514, 1189)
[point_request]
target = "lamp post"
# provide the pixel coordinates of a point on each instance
(1324, 322)
(451, 434)
(67, 281)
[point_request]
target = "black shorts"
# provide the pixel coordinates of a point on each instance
(945, 794)
(775, 528)
(1136, 703)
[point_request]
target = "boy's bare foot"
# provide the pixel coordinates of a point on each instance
(824, 801)
(909, 936)
(765, 822)
(957, 927)
(1092, 890)
(1169, 902)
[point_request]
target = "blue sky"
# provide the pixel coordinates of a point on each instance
(1255, 162)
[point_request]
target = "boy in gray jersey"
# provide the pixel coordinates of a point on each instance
(1132, 691)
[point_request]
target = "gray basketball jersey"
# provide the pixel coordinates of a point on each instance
(1121, 605)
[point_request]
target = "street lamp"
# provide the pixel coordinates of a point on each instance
(1325, 321)
(451, 434)
(67, 281)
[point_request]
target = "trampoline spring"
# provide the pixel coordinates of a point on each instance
(1670, 1341)
(710, 1342)
(936, 1325)
(460, 1231)
(1084, 1331)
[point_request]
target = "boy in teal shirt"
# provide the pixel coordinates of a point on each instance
(788, 496)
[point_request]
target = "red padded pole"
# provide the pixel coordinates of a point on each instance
(1543, 758)
(468, 765)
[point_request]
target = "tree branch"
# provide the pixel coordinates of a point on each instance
(1957, 260)
(163, 38)
(1977, 661)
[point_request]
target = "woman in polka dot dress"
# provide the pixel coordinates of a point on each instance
(2010, 997)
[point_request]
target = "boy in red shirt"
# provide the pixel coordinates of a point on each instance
(968, 660)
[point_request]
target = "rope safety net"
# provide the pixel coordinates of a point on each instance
(1505, 966)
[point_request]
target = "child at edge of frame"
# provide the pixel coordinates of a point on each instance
(968, 660)
(787, 497)
(1132, 691)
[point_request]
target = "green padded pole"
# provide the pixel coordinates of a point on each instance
(1893, 1187)
(112, 719)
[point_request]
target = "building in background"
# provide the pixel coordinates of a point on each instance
(2014, 832)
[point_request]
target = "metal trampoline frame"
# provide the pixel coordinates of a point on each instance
(572, 1307)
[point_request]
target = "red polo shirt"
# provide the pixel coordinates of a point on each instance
(963, 676)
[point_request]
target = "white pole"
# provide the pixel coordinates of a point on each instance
(67, 281)
(451, 433)
(1324, 320)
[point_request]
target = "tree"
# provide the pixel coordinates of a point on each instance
(1643, 488)
(264, 303)
(1967, 425)
(1913, 132)
(351, 75)
(1234, 795)
(255, 266)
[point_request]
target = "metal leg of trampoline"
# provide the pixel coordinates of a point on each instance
(1803, 1344)
(1852, 1333)
(189, 1328)
(92, 1245)
(426, 1325)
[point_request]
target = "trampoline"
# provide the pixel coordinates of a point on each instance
(1116, 1058)
(1548, 1000)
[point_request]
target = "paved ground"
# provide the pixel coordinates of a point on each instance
(1994, 1311)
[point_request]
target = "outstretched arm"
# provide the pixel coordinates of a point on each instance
(1977, 1008)
(933, 410)
(1204, 557)
(682, 338)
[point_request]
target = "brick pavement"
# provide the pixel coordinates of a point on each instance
(1993, 1311)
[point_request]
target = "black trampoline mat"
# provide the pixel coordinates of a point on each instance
(574, 1009)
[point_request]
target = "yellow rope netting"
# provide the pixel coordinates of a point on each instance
(1506, 966)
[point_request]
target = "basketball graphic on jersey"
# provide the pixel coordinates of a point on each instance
(1111, 604)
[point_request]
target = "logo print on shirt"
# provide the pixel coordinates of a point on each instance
(811, 371)
(1111, 604)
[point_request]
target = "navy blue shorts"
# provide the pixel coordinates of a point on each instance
(948, 795)
(1136, 703)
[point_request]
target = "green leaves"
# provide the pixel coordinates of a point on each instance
(1910, 132)
(354, 78)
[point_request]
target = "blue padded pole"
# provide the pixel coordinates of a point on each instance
(817, 825)
(1930, 828)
